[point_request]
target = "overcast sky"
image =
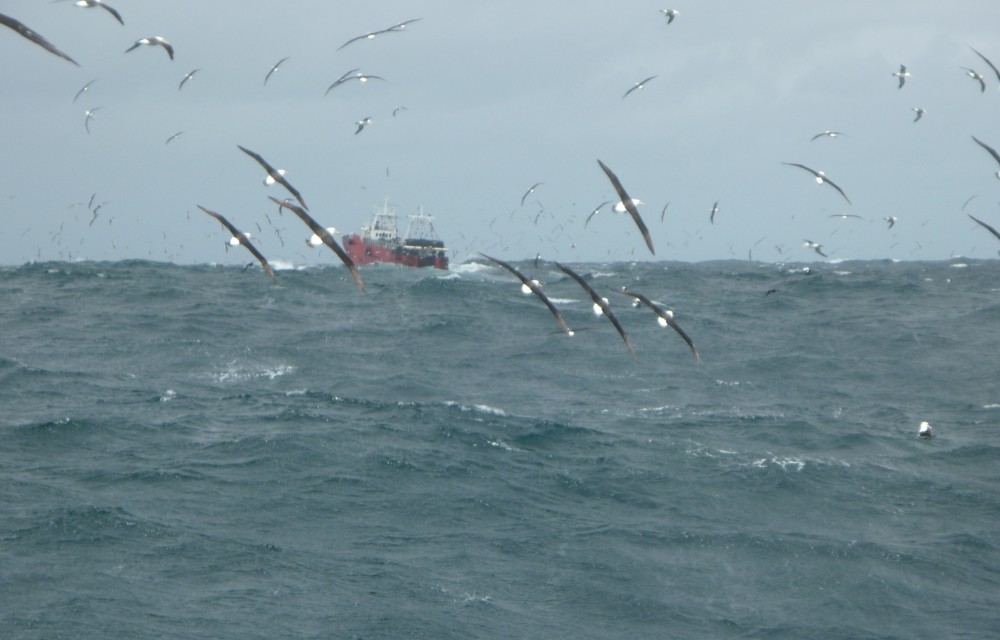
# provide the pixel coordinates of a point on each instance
(500, 96)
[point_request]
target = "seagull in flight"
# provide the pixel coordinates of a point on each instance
(90, 4)
(827, 134)
(173, 137)
(991, 150)
(995, 233)
(372, 34)
(154, 41)
(820, 178)
(715, 210)
(920, 113)
(274, 174)
(627, 203)
(818, 248)
(594, 212)
(978, 77)
(535, 287)
(362, 123)
(638, 85)
(987, 61)
(530, 191)
(26, 32)
(902, 74)
(891, 220)
(84, 89)
(240, 238)
(360, 77)
(665, 319)
(274, 68)
(188, 76)
(670, 14)
(89, 115)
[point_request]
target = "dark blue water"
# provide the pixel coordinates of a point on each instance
(193, 451)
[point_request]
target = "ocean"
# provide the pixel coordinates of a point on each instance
(197, 452)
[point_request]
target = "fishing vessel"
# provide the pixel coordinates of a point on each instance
(380, 241)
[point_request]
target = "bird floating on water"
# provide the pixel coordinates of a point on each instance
(26, 32)
(926, 430)
(154, 41)
(627, 203)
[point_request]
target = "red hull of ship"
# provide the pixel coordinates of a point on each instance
(362, 252)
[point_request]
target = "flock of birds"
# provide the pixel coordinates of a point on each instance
(624, 203)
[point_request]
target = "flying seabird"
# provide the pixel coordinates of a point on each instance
(240, 238)
(188, 76)
(371, 34)
(600, 305)
(324, 236)
(530, 191)
(971, 198)
(715, 210)
(274, 174)
(360, 77)
(845, 216)
(90, 4)
(985, 226)
(809, 244)
(992, 151)
(23, 29)
(533, 286)
(670, 14)
(173, 137)
(638, 85)
(827, 134)
(891, 220)
(84, 89)
(978, 77)
(88, 115)
(666, 319)
(920, 113)
(274, 68)
(398, 109)
(362, 123)
(902, 74)
(820, 178)
(926, 430)
(987, 61)
(664, 212)
(594, 212)
(154, 41)
(628, 204)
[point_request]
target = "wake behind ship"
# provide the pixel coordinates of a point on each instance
(380, 241)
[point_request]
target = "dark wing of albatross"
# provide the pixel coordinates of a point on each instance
(242, 239)
(535, 289)
(666, 319)
(324, 235)
(275, 175)
(629, 205)
(600, 303)
(21, 28)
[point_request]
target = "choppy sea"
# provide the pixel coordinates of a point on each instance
(197, 452)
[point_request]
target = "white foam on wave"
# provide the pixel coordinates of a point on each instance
(285, 265)
(235, 372)
(477, 408)
(470, 267)
(958, 265)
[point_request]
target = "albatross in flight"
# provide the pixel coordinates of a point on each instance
(991, 151)
(154, 41)
(240, 238)
(371, 34)
(90, 4)
(665, 319)
(627, 203)
(985, 226)
(22, 29)
(274, 68)
(533, 286)
(274, 174)
(820, 178)
(323, 236)
(902, 74)
(600, 305)
(638, 85)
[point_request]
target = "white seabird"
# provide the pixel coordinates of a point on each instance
(533, 286)
(90, 4)
(357, 75)
(274, 68)
(818, 248)
(627, 203)
(530, 191)
(274, 174)
(84, 89)
(926, 430)
(600, 305)
(891, 220)
(827, 134)
(362, 123)
(187, 76)
(88, 115)
(978, 77)
(154, 41)
(670, 14)
(820, 178)
(324, 235)
(919, 113)
(638, 85)
(666, 319)
(902, 74)
(371, 34)
(240, 238)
